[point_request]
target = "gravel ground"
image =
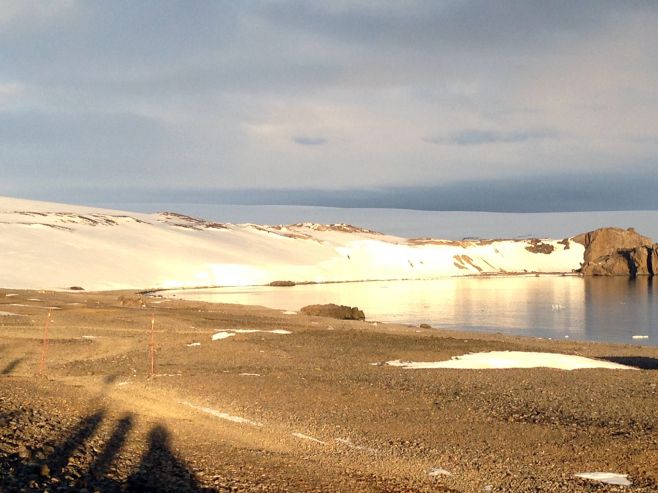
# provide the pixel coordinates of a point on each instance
(305, 411)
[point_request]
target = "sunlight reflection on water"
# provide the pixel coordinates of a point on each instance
(599, 309)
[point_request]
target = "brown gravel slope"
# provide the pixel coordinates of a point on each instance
(305, 411)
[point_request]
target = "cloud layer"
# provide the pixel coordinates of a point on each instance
(348, 94)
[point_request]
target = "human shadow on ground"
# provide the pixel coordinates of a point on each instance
(79, 462)
(111, 451)
(83, 431)
(7, 370)
(160, 470)
(641, 362)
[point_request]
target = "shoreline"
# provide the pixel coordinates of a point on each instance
(273, 284)
(291, 402)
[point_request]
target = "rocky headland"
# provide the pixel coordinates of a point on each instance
(618, 252)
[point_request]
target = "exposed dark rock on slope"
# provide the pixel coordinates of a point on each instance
(618, 252)
(331, 310)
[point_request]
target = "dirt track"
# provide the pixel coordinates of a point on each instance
(306, 411)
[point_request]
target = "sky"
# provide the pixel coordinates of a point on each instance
(429, 104)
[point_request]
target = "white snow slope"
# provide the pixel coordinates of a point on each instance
(54, 246)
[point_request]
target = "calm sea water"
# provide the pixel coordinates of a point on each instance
(597, 309)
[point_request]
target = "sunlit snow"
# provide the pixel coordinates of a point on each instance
(606, 477)
(172, 251)
(512, 359)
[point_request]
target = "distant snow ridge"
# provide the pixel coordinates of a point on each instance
(56, 246)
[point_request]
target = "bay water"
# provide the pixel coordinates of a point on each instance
(617, 310)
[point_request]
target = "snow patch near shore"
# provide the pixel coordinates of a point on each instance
(606, 477)
(512, 359)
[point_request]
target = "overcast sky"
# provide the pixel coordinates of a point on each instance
(112, 96)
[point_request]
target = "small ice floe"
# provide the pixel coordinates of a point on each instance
(437, 471)
(348, 443)
(307, 437)
(606, 477)
(193, 344)
(289, 312)
(218, 336)
(640, 337)
(221, 415)
(512, 359)
(249, 374)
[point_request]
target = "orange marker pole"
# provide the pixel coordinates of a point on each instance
(44, 345)
(152, 347)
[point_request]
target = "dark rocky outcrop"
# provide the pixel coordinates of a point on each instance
(282, 284)
(537, 246)
(618, 252)
(331, 310)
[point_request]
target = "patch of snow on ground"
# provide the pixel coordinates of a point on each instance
(88, 337)
(347, 442)
(250, 374)
(252, 331)
(289, 312)
(606, 477)
(218, 336)
(640, 337)
(437, 471)
(193, 344)
(221, 415)
(10, 295)
(512, 359)
(307, 437)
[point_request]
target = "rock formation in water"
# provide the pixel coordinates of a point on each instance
(618, 252)
(331, 310)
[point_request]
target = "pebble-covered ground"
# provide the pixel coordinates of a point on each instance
(309, 410)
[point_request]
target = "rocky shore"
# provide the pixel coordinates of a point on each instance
(618, 252)
(293, 402)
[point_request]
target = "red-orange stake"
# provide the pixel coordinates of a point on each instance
(44, 345)
(152, 347)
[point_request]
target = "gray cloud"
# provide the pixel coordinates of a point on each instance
(478, 137)
(309, 141)
(224, 93)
